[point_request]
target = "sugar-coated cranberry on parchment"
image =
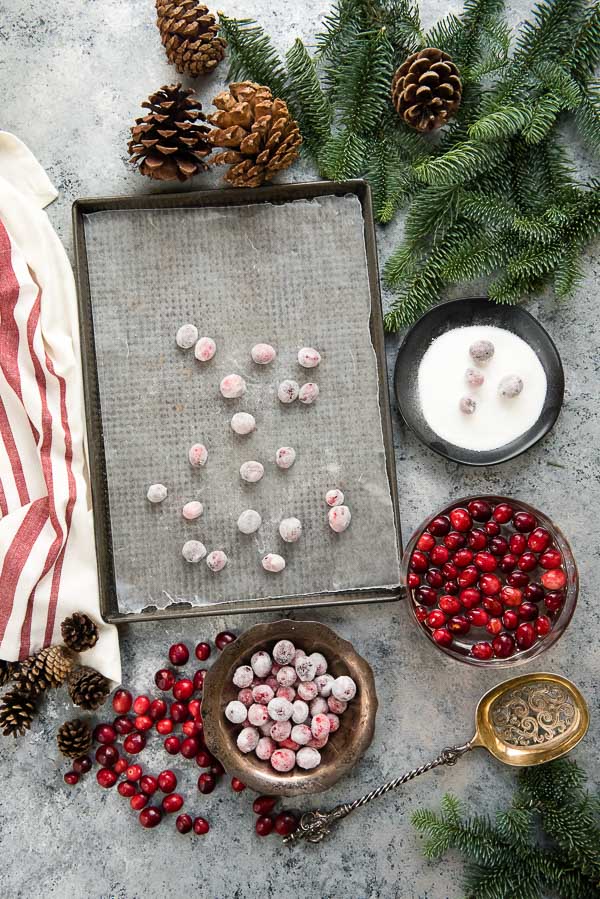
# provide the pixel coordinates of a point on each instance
(290, 530)
(205, 349)
(263, 353)
(339, 518)
(252, 471)
(242, 423)
(308, 393)
(157, 493)
(285, 457)
(273, 563)
(288, 391)
(186, 336)
(217, 560)
(193, 551)
(198, 455)
(308, 357)
(334, 498)
(249, 521)
(232, 387)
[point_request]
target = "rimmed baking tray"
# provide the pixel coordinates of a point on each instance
(279, 194)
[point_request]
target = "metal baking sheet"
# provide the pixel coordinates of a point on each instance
(290, 273)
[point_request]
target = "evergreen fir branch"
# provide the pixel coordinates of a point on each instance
(548, 33)
(363, 82)
(502, 123)
(346, 19)
(343, 156)
(433, 210)
(390, 177)
(543, 118)
(488, 210)
(313, 108)
(480, 256)
(476, 17)
(445, 34)
(585, 56)
(555, 79)
(494, 53)
(403, 22)
(587, 116)
(568, 271)
(401, 265)
(516, 826)
(252, 56)
(459, 164)
(509, 289)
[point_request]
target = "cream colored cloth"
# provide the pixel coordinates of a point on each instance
(47, 552)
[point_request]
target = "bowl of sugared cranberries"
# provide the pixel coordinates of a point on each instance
(491, 581)
(339, 703)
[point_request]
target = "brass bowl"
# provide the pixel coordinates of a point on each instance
(345, 747)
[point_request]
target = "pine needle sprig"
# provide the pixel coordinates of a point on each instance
(252, 55)
(313, 109)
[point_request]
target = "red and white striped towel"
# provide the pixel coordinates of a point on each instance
(47, 555)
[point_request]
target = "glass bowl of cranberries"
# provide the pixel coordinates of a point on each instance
(491, 581)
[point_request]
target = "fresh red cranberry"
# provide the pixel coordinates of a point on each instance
(164, 679)
(451, 586)
(517, 579)
(449, 570)
(143, 722)
(158, 709)
(494, 626)
(470, 597)
(134, 743)
(459, 624)
(134, 772)
(510, 619)
(528, 611)
(105, 733)
(554, 580)
(468, 576)
(178, 654)
(524, 522)
(121, 702)
(172, 803)
(206, 782)
(141, 705)
(504, 646)
(285, 824)
(477, 539)
(478, 617)
(435, 619)
(139, 801)
(201, 826)
(434, 577)
(192, 728)
(550, 559)
(413, 580)
(148, 784)
(511, 596)
(493, 606)
(264, 826)
(164, 726)
(167, 781)
(426, 542)
(542, 625)
(217, 768)
(120, 766)
(449, 604)
(486, 561)
(82, 764)
(183, 689)
(150, 816)
(461, 520)
(190, 747)
(538, 540)
(454, 540)
(508, 563)
(426, 595)
(482, 651)
(554, 601)
(124, 725)
(223, 639)
(498, 546)
(202, 651)
(490, 584)
(107, 756)
(184, 823)
(533, 593)
(527, 562)
(463, 557)
(106, 777)
(263, 805)
(237, 786)
(126, 789)
(172, 745)
(480, 509)
(204, 759)
(502, 513)
(179, 712)
(419, 561)
(71, 778)
(525, 635)
(439, 526)
(492, 528)
(442, 636)
(421, 613)
(439, 555)
(517, 544)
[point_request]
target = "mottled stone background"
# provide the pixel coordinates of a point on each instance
(72, 76)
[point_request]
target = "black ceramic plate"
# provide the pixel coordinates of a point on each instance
(460, 314)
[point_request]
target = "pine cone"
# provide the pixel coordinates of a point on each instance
(47, 668)
(261, 136)
(426, 89)
(74, 738)
(190, 35)
(16, 712)
(8, 671)
(88, 688)
(79, 632)
(171, 141)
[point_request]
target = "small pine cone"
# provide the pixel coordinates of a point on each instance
(74, 738)
(170, 143)
(47, 668)
(79, 632)
(190, 36)
(259, 134)
(426, 89)
(88, 688)
(8, 671)
(16, 712)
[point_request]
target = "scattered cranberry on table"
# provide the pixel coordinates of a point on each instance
(201, 826)
(223, 639)
(107, 756)
(71, 778)
(139, 801)
(105, 733)
(237, 786)
(184, 823)
(179, 654)
(150, 816)
(106, 777)
(202, 651)
(122, 702)
(82, 764)
(164, 679)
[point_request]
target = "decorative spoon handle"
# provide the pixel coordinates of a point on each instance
(315, 825)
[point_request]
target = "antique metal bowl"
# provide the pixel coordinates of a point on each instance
(345, 747)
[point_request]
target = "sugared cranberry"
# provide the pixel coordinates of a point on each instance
(134, 743)
(533, 593)
(461, 520)
(237, 786)
(502, 513)
(449, 604)
(554, 601)
(183, 689)
(192, 728)
(264, 826)
(141, 705)
(201, 826)
(204, 759)
(124, 725)
(494, 626)
(139, 801)
(418, 561)
(105, 733)
(459, 624)
(127, 789)
(172, 803)
(478, 617)
(492, 528)
(439, 555)
(442, 636)
(517, 544)
(527, 611)
(439, 526)
(449, 570)
(490, 584)
(508, 563)
(517, 579)
(477, 539)
(470, 597)
(223, 639)
(426, 595)
(206, 782)
(121, 702)
(527, 562)
(426, 542)
(106, 777)
(554, 580)
(421, 613)
(134, 772)
(436, 619)
(184, 823)
(107, 755)
(542, 625)
(285, 824)
(158, 709)
(454, 540)
(120, 766)
(178, 712)
(434, 577)
(511, 596)
(498, 546)
(190, 747)
(413, 580)
(539, 540)
(504, 646)
(486, 561)
(164, 726)
(150, 816)
(164, 679)
(510, 619)
(143, 722)
(148, 784)
(172, 745)
(82, 764)
(550, 559)
(483, 651)
(262, 805)
(492, 605)
(463, 557)
(468, 576)
(480, 509)
(178, 654)
(525, 635)
(524, 522)
(71, 778)
(451, 586)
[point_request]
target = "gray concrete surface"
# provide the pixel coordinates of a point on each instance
(73, 75)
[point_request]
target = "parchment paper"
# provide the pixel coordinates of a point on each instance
(291, 275)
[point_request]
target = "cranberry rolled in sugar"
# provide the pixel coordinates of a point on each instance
(308, 758)
(247, 739)
(283, 760)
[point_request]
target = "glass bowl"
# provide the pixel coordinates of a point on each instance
(461, 646)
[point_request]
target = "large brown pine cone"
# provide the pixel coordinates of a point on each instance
(170, 143)
(88, 688)
(8, 670)
(74, 738)
(190, 36)
(16, 712)
(79, 632)
(258, 131)
(426, 89)
(47, 668)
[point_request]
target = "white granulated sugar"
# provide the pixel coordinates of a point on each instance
(496, 420)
